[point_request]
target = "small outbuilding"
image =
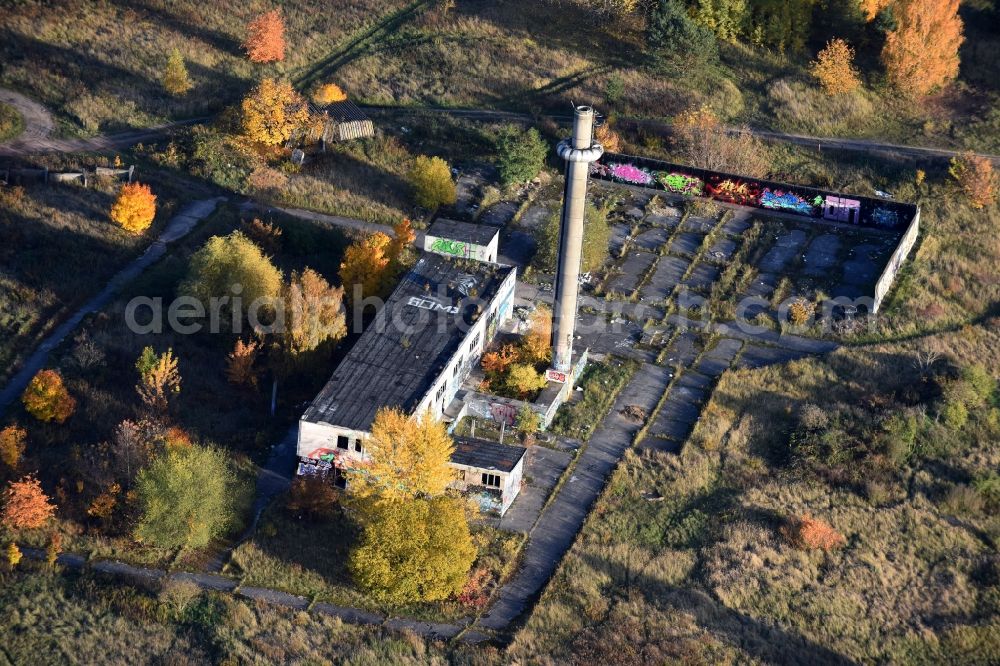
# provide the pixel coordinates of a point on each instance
(345, 122)
(463, 240)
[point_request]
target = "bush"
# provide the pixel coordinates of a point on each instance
(520, 154)
(311, 497)
(432, 183)
(810, 533)
(47, 399)
(187, 498)
(676, 39)
(834, 68)
(523, 379)
(12, 444)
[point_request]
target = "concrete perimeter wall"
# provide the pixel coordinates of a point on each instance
(888, 276)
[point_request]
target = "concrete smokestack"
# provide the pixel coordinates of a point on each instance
(578, 152)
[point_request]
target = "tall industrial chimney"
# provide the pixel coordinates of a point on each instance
(578, 152)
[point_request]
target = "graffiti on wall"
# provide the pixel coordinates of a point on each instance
(445, 246)
(735, 191)
(884, 217)
(324, 454)
(789, 202)
(842, 209)
(503, 413)
(680, 183)
(629, 173)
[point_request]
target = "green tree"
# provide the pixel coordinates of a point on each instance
(727, 19)
(432, 183)
(676, 39)
(413, 550)
(175, 76)
(596, 239)
(520, 154)
(187, 497)
(232, 267)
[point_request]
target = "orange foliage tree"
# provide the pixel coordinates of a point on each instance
(871, 8)
(608, 138)
(976, 177)
(273, 112)
(537, 343)
(135, 208)
(265, 40)
(834, 68)
(47, 399)
(497, 362)
(12, 439)
(240, 363)
(26, 506)
(402, 236)
(364, 266)
(921, 54)
(811, 533)
(328, 93)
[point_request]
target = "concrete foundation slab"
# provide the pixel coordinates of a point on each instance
(686, 243)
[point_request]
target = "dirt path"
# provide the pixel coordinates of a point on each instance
(178, 227)
(818, 142)
(38, 122)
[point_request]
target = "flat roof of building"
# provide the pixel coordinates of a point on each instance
(403, 351)
(467, 232)
(484, 454)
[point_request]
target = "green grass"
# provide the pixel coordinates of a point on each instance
(72, 619)
(601, 382)
(692, 543)
(11, 123)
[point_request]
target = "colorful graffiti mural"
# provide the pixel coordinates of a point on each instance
(680, 183)
(884, 217)
(324, 454)
(842, 209)
(790, 202)
(454, 248)
(735, 191)
(629, 173)
(678, 179)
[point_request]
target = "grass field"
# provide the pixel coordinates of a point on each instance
(60, 247)
(72, 619)
(470, 53)
(11, 123)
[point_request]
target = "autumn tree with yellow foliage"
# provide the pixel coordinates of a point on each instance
(365, 266)
(12, 445)
(408, 458)
(135, 208)
(265, 40)
(834, 68)
(921, 54)
(47, 399)
(537, 342)
(413, 550)
(976, 177)
(175, 76)
(328, 93)
(273, 112)
(432, 182)
(160, 382)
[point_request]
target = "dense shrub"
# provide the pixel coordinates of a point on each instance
(520, 154)
(431, 180)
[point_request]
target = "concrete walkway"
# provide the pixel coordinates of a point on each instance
(178, 227)
(559, 524)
